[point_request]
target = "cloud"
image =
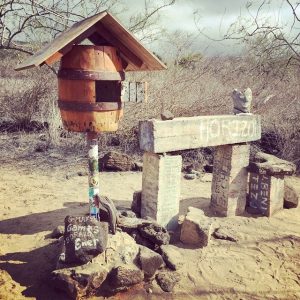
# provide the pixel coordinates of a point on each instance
(215, 17)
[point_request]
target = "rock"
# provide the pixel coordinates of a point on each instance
(82, 173)
(85, 237)
(291, 197)
(79, 281)
(149, 261)
(142, 241)
(271, 165)
(127, 224)
(127, 213)
(190, 176)
(154, 233)
(166, 115)
(167, 280)
(242, 101)
(57, 232)
(196, 228)
(225, 234)
(115, 141)
(138, 166)
(171, 256)
(137, 203)
(121, 249)
(208, 168)
(41, 148)
(124, 276)
(115, 161)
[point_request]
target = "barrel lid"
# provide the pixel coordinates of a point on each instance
(100, 28)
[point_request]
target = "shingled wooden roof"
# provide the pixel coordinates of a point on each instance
(100, 29)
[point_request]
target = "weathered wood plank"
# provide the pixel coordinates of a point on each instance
(104, 24)
(141, 91)
(189, 133)
(133, 91)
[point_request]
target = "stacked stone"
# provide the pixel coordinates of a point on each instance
(267, 184)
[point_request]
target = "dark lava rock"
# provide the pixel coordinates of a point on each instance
(138, 166)
(85, 237)
(115, 161)
(124, 276)
(139, 239)
(137, 203)
(167, 280)
(150, 261)
(79, 281)
(208, 168)
(225, 234)
(190, 176)
(115, 141)
(57, 232)
(155, 233)
(127, 213)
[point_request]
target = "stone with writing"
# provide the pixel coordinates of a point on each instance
(85, 237)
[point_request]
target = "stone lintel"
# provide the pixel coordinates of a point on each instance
(159, 136)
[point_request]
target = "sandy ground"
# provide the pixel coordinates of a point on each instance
(35, 196)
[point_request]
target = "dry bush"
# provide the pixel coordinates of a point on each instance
(203, 88)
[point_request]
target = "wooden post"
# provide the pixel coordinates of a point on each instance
(94, 193)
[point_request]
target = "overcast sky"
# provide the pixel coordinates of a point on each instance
(214, 17)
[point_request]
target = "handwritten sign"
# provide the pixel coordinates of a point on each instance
(259, 194)
(85, 237)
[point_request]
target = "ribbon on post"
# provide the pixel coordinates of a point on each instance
(94, 192)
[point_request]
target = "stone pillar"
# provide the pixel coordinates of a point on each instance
(230, 178)
(92, 144)
(265, 194)
(161, 188)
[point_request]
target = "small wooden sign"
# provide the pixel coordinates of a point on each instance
(134, 91)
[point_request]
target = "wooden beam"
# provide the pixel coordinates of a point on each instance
(189, 133)
(115, 42)
(58, 55)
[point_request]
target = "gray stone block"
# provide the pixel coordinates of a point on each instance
(161, 188)
(230, 179)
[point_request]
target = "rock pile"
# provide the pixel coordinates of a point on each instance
(138, 253)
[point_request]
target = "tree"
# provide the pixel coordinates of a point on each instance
(271, 41)
(25, 24)
(268, 40)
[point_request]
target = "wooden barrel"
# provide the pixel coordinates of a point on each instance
(89, 89)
